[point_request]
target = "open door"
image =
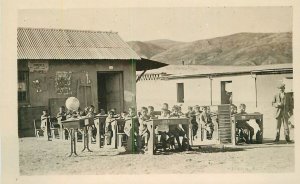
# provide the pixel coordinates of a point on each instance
(226, 92)
(110, 91)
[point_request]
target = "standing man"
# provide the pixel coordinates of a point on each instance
(283, 104)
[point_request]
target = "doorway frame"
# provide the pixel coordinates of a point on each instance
(121, 94)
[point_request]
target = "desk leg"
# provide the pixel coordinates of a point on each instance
(151, 142)
(73, 143)
(188, 135)
(86, 139)
(98, 135)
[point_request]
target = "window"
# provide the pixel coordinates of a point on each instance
(22, 86)
(180, 92)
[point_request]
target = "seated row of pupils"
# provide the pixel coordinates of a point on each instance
(166, 133)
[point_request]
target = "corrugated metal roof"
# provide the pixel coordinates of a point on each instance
(184, 71)
(42, 43)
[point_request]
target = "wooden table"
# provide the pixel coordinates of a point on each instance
(73, 125)
(246, 117)
(169, 121)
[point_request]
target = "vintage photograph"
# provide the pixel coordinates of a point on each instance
(157, 90)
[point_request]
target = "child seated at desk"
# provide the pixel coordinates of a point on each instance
(45, 124)
(128, 120)
(166, 107)
(109, 123)
(206, 122)
(151, 112)
(144, 133)
(244, 126)
(62, 116)
(177, 130)
(163, 130)
(91, 114)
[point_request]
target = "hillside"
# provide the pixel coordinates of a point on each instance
(237, 49)
(165, 43)
(145, 50)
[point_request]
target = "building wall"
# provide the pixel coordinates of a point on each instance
(78, 71)
(197, 92)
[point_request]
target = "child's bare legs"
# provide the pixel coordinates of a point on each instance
(108, 137)
(145, 138)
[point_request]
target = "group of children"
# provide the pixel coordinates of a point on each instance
(64, 115)
(244, 131)
(201, 118)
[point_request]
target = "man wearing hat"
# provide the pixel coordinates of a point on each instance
(283, 104)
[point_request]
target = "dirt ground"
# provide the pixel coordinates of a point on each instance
(42, 157)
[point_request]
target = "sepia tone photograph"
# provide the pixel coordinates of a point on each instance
(178, 90)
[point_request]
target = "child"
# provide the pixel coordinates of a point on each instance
(91, 113)
(192, 117)
(233, 109)
(115, 115)
(206, 123)
(128, 120)
(143, 129)
(132, 133)
(176, 111)
(195, 126)
(166, 107)
(163, 130)
(45, 124)
(151, 112)
(62, 115)
(102, 112)
(177, 130)
(109, 123)
(243, 125)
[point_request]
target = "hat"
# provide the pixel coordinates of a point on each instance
(280, 86)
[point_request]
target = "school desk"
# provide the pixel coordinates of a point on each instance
(169, 121)
(73, 125)
(246, 117)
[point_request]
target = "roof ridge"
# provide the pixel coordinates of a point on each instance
(75, 30)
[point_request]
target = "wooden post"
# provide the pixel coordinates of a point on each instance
(233, 131)
(151, 137)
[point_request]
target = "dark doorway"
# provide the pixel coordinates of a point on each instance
(110, 91)
(226, 92)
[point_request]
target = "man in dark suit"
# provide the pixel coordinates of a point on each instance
(283, 104)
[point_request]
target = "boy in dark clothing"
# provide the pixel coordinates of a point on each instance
(243, 125)
(109, 123)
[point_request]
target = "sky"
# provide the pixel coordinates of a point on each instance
(180, 24)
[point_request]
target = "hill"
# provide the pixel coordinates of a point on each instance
(145, 50)
(236, 49)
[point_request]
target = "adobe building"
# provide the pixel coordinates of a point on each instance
(190, 85)
(98, 68)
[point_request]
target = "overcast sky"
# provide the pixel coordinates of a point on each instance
(181, 24)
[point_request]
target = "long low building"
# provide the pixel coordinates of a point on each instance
(186, 85)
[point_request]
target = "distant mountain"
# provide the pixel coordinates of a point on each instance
(236, 49)
(165, 43)
(146, 50)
